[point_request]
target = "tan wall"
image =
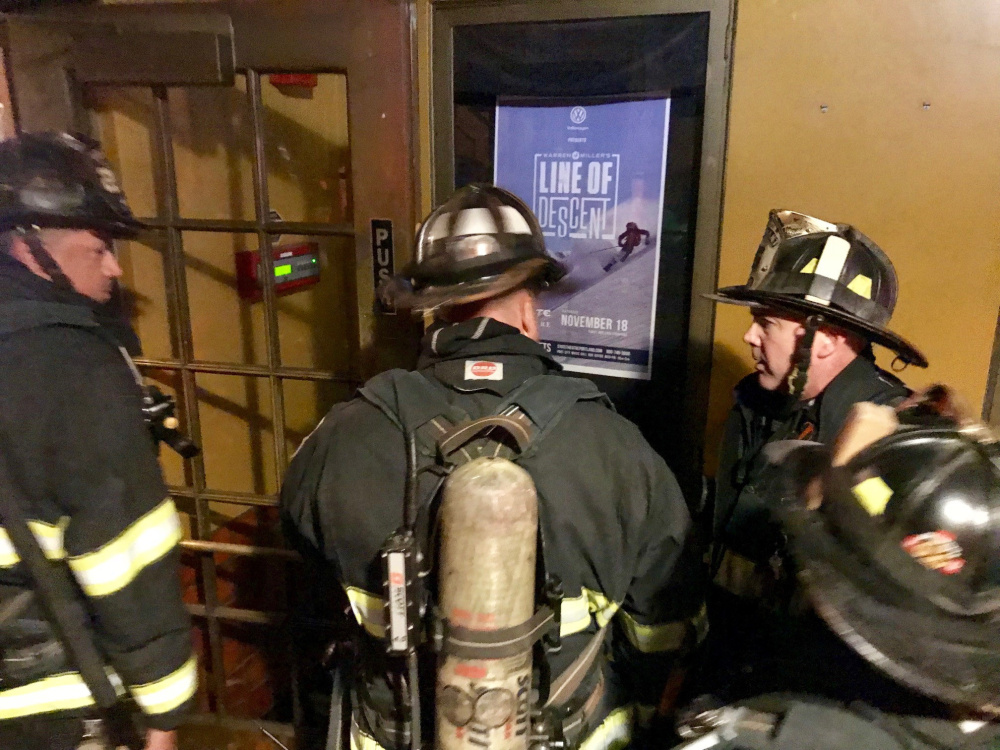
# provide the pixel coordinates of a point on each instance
(923, 182)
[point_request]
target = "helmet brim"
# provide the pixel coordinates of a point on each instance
(119, 230)
(746, 297)
(399, 293)
(127, 231)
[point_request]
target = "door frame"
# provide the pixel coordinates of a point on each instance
(447, 14)
(991, 398)
(369, 42)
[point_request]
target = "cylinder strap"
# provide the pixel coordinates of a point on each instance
(497, 644)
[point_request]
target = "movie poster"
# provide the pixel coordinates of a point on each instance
(593, 173)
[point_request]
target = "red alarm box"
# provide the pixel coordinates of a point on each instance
(295, 267)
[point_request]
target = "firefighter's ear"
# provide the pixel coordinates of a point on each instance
(828, 342)
(825, 343)
(20, 252)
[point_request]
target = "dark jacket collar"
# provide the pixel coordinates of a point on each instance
(861, 380)
(18, 283)
(448, 350)
(28, 301)
(478, 337)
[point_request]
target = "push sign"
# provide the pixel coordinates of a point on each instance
(382, 259)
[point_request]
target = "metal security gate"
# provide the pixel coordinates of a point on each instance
(255, 364)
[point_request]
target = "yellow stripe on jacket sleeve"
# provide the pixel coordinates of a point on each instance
(168, 693)
(369, 610)
(58, 693)
(117, 563)
(61, 692)
(668, 636)
(575, 613)
(49, 536)
(602, 607)
(614, 733)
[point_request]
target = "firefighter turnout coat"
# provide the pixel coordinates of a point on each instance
(614, 526)
(763, 637)
(82, 466)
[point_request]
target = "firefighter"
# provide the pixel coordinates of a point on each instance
(897, 546)
(819, 294)
(78, 458)
(628, 241)
(614, 527)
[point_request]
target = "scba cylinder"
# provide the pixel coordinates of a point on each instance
(489, 532)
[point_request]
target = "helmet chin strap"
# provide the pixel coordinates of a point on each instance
(45, 261)
(802, 357)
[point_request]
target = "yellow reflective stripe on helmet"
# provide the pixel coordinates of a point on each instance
(168, 693)
(873, 494)
(369, 610)
(118, 562)
(61, 692)
(668, 636)
(49, 536)
(861, 285)
(833, 258)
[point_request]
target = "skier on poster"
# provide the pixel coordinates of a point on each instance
(628, 241)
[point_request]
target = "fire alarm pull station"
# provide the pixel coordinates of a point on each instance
(295, 267)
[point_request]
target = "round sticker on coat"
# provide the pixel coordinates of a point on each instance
(936, 550)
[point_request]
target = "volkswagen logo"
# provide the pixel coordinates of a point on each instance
(577, 115)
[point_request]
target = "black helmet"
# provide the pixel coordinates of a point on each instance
(481, 243)
(809, 266)
(902, 559)
(60, 180)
